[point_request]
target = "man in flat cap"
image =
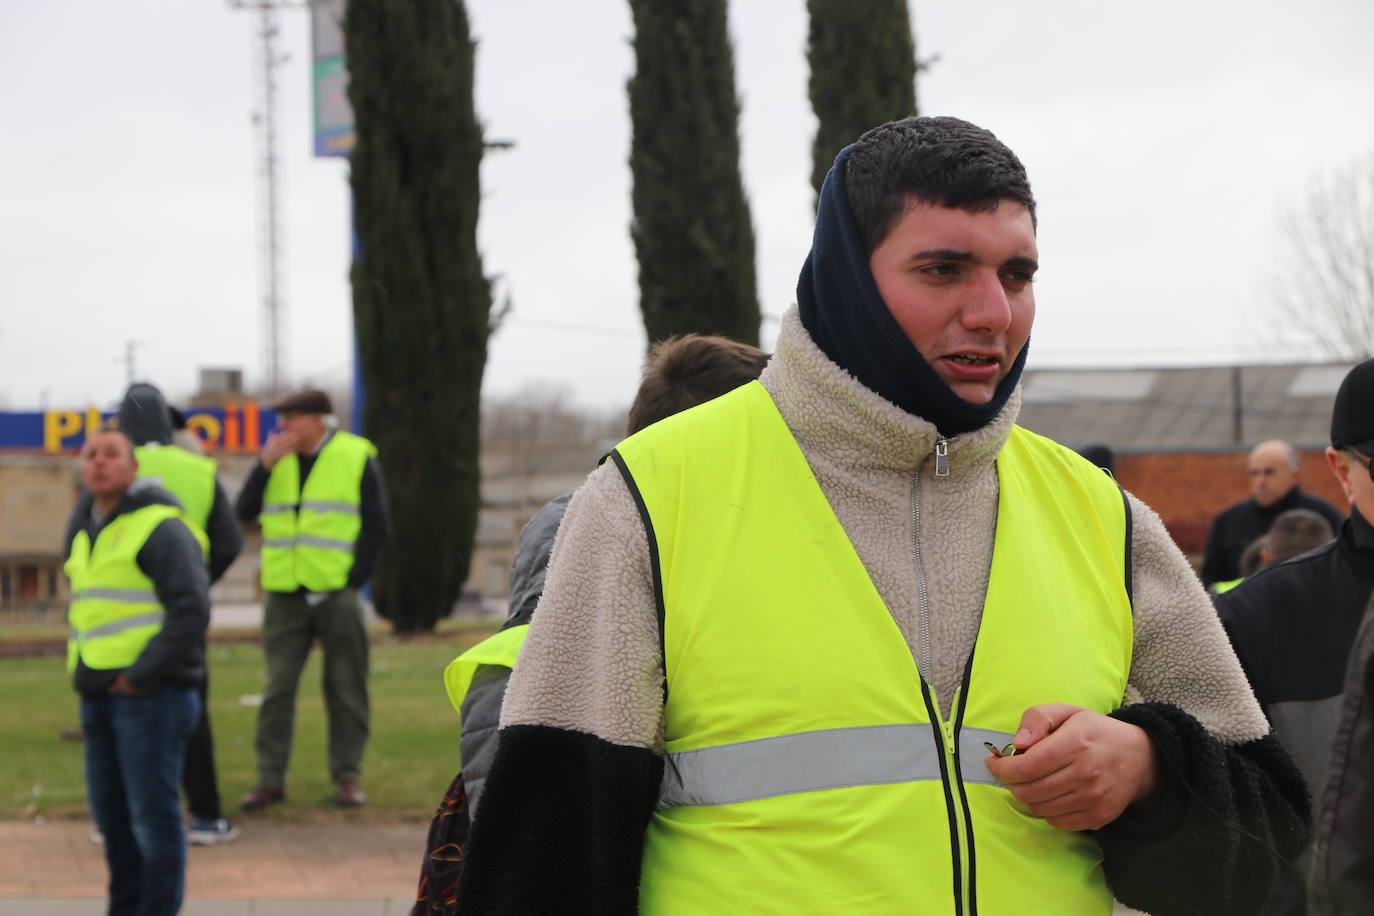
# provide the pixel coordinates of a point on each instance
(318, 493)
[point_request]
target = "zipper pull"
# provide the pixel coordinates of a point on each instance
(942, 457)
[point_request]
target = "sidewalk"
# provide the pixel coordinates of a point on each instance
(270, 870)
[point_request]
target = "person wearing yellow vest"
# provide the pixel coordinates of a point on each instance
(149, 422)
(680, 372)
(140, 606)
(318, 494)
(848, 640)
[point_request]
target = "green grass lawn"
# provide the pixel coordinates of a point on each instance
(411, 756)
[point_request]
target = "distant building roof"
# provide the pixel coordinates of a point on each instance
(1213, 407)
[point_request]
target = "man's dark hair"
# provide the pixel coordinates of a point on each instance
(1296, 532)
(941, 161)
(688, 370)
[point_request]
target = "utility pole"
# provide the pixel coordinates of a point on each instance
(273, 316)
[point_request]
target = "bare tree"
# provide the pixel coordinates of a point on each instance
(1325, 285)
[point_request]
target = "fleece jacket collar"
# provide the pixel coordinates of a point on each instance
(830, 411)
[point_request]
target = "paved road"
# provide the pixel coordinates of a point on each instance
(270, 870)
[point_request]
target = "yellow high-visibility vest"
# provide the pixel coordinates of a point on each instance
(501, 648)
(809, 769)
(190, 478)
(115, 610)
(308, 534)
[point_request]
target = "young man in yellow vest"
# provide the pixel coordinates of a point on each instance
(145, 417)
(848, 640)
(140, 606)
(318, 494)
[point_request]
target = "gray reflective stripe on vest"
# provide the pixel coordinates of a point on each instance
(119, 626)
(315, 505)
(126, 595)
(811, 761)
(306, 540)
(277, 508)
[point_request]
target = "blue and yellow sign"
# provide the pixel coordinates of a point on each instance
(231, 428)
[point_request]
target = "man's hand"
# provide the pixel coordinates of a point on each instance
(279, 442)
(122, 685)
(1076, 768)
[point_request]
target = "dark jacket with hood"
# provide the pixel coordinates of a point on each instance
(171, 557)
(146, 419)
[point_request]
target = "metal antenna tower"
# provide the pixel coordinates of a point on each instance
(269, 60)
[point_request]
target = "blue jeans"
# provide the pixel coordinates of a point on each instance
(135, 747)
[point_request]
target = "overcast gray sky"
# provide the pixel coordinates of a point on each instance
(1162, 141)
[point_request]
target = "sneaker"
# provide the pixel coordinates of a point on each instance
(207, 832)
(97, 837)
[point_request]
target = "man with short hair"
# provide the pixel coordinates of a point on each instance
(318, 493)
(146, 418)
(1274, 489)
(848, 640)
(140, 606)
(1293, 623)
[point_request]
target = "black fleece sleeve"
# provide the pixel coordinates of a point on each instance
(249, 504)
(372, 536)
(1234, 820)
(561, 826)
(171, 558)
(226, 540)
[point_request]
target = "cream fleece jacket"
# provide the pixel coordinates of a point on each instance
(591, 661)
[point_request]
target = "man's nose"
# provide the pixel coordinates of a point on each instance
(987, 308)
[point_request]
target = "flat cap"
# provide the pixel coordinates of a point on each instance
(1352, 416)
(307, 400)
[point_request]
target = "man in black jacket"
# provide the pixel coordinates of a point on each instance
(1293, 624)
(140, 606)
(146, 419)
(1273, 469)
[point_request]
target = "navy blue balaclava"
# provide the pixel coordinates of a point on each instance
(843, 312)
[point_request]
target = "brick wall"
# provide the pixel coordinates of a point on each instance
(1188, 489)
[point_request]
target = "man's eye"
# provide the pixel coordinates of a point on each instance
(940, 270)
(1020, 276)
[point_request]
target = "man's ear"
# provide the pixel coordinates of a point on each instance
(1339, 462)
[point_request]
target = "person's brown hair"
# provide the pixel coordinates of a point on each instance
(688, 370)
(1295, 532)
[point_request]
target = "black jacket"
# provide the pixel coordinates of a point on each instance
(145, 418)
(372, 509)
(1292, 625)
(1239, 526)
(171, 557)
(1342, 882)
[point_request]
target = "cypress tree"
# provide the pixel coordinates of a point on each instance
(421, 303)
(863, 72)
(692, 231)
